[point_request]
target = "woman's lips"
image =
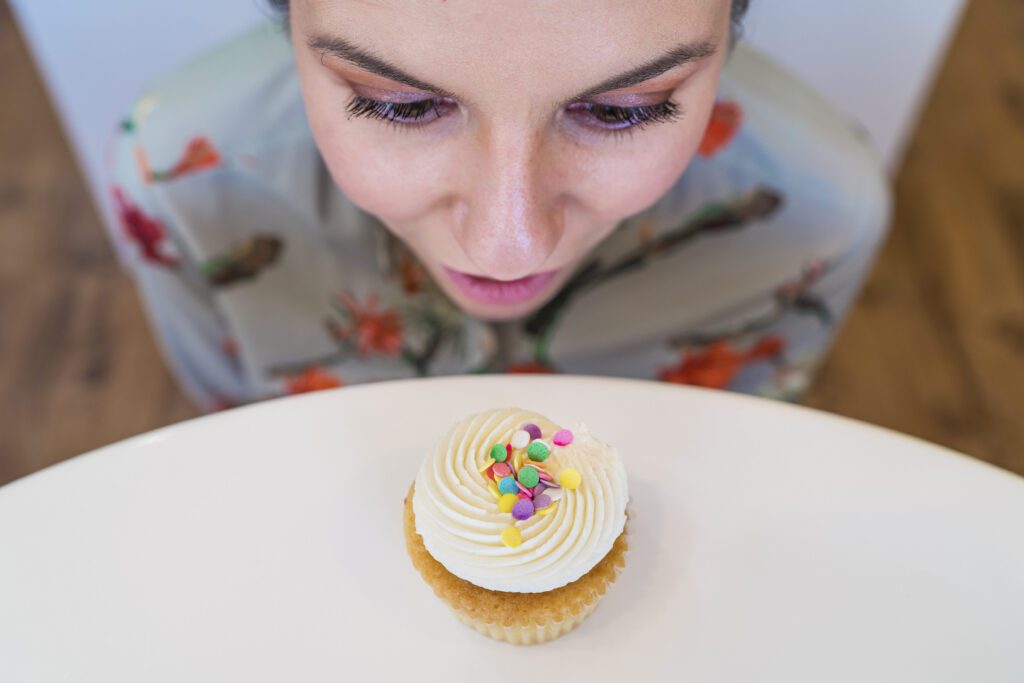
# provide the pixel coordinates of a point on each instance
(500, 292)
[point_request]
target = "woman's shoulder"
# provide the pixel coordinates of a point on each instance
(241, 93)
(771, 136)
(770, 124)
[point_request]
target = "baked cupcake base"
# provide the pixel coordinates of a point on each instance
(520, 618)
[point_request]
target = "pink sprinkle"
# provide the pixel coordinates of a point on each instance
(502, 469)
(525, 490)
(524, 496)
(544, 475)
(563, 437)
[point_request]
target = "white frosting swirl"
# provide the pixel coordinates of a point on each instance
(461, 526)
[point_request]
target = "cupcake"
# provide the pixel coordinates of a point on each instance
(517, 524)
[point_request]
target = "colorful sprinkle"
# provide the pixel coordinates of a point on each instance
(532, 429)
(541, 501)
(499, 453)
(511, 537)
(523, 509)
(502, 469)
(540, 488)
(528, 477)
(548, 510)
(506, 502)
(563, 437)
(570, 478)
(493, 489)
(508, 485)
(538, 451)
(524, 491)
(521, 439)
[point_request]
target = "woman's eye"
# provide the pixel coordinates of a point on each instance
(419, 112)
(612, 118)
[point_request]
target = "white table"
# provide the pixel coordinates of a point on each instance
(768, 543)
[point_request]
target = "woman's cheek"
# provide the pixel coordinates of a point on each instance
(621, 187)
(396, 184)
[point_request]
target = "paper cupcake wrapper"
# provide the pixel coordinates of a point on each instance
(520, 618)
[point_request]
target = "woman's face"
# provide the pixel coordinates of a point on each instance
(503, 140)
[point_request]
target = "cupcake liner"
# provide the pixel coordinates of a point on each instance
(520, 618)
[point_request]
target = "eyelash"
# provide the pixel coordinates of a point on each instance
(607, 118)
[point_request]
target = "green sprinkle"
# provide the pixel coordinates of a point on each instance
(528, 477)
(538, 452)
(499, 453)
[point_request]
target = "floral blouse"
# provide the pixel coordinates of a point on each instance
(261, 278)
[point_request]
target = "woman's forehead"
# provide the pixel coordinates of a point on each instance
(532, 44)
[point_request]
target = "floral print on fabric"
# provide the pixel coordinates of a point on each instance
(717, 365)
(311, 379)
(723, 126)
(244, 261)
(145, 232)
(733, 214)
(366, 329)
(199, 155)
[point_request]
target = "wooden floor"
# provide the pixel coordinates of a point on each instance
(935, 347)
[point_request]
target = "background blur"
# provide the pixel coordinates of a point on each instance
(935, 347)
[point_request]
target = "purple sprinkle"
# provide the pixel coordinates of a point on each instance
(540, 502)
(540, 488)
(525, 490)
(532, 429)
(523, 509)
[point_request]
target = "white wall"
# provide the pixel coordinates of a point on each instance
(872, 58)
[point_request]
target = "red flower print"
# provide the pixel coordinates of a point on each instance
(717, 365)
(725, 121)
(411, 274)
(371, 330)
(767, 348)
(530, 368)
(714, 367)
(148, 233)
(311, 379)
(142, 161)
(229, 345)
(199, 154)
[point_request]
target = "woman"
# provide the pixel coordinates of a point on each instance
(380, 189)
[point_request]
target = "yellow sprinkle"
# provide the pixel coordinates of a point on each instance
(506, 502)
(511, 537)
(518, 460)
(570, 478)
(494, 490)
(486, 465)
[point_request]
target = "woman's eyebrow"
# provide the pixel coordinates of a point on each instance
(342, 49)
(677, 56)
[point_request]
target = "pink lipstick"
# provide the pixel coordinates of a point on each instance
(500, 292)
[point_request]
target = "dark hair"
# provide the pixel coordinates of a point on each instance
(739, 8)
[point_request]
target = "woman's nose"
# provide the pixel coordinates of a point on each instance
(511, 217)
